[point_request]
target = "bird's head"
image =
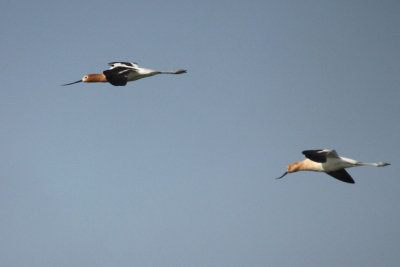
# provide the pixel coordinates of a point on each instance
(90, 78)
(94, 78)
(293, 167)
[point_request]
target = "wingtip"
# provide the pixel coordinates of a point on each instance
(180, 71)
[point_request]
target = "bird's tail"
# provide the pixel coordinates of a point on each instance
(375, 164)
(180, 71)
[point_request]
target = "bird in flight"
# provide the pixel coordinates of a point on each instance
(328, 161)
(121, 73)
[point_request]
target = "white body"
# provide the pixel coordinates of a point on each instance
(333, 164)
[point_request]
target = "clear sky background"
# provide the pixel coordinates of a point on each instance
(180, 170)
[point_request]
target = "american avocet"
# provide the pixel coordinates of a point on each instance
(122, 72)
(328, 161)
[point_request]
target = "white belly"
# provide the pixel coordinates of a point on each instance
(334, 164)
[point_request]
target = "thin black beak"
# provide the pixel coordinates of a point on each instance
(71, 83)
(282, 175)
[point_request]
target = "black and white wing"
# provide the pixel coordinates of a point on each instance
(320, 155)
(133, 65)
(118, 73)
(342, 175)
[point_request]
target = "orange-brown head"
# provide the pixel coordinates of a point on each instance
(91, 78)
(94, 78)
(292, 167)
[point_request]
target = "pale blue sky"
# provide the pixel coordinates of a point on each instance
(179, 170)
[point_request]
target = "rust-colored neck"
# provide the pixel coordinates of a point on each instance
(94, 78)
(305, 165)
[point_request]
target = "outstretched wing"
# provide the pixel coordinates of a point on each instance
(320, 155)
(133, 65)
(342, 175)
(118, 76)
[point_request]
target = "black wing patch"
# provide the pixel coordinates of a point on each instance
(342, 175)
(117, 76)
(131, 64)
(316, 155)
